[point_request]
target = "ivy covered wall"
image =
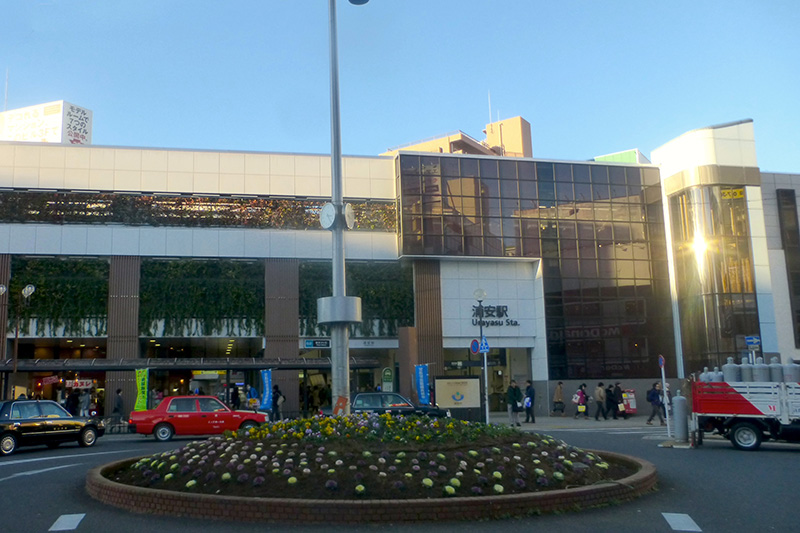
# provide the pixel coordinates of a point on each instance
(201, 298)
(70, 293)
(386, 291)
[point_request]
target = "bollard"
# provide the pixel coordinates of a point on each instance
(680, 417)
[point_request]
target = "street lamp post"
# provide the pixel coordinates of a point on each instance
(23, 297)
(339, 310)
(480, 295)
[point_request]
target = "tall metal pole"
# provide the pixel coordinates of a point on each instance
(338, 311)
(485, 364)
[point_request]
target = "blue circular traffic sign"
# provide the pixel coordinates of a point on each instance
(474, 346)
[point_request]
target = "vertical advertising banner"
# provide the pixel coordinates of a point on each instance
(423, 384)
(266, 390)
(141, 389)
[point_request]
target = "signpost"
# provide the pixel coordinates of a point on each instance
(665, 397)
(753, 343)
(387, 380)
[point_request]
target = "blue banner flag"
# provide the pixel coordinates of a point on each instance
(423, 384)
(266, 390)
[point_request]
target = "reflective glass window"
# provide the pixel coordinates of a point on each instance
(544, 172)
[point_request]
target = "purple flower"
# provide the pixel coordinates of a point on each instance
(477, 490)
(240, 468)
(392, 469)
(217, 463)
(433, 473)
(146, 473)
(287, 472)
(185, 469)
(442, 468)
(483, 481)
(520, 483)
(415, 468)
(210, 476)
(331, 484)
(422, 455)
(197, 473)
(359, 476)
(242, 478)
(399, 485)
(541, 480)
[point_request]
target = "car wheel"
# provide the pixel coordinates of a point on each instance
(163, 432)
(248, 425)
(88, 437)
(8, 443)
(746, 436)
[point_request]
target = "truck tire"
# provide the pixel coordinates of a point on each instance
(745, 436)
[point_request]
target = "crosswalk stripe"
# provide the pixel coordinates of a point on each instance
(681, 522)
(67, 522)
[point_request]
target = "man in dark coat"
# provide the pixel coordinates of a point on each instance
(529, 402)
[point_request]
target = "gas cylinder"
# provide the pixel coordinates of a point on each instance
(746, 369)
(791, 373)
(775, 370)
(704, 375)
(731, 371)
(760, 370)
(716, 375)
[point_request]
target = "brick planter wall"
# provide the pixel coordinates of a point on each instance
(207, 506)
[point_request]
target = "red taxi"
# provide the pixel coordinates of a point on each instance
(192, 415)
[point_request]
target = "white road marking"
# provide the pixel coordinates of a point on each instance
(53, 457)
(681, 522)
(67, 522)
(34, 472)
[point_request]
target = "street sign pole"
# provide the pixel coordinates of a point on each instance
(664, 392)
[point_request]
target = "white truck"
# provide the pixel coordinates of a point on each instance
(747, 412)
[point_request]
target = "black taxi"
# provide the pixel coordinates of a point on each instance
(43, 422)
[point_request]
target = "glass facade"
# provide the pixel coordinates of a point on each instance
(714, 273)
(598, 229)
(182, 211)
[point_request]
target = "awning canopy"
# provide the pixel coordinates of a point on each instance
(201, 363)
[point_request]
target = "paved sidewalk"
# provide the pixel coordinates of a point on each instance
(544, 423)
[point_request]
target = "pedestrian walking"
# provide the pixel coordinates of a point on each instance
(558, 399)
(529, 402)
(251, 393)
(611, 402)
(654, 397)
(117, 412)
(83, 402)
(581, 400)
(235, 400)
(619, 397)
(277, 401)
(514, 402)
(600, 399)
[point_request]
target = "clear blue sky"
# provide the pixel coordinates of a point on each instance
(592, 76)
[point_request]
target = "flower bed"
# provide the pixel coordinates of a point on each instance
(371, 457)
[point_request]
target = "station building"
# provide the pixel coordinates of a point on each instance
(205, 266)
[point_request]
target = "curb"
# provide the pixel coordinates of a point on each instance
(285, 510)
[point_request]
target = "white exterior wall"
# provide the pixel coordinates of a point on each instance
(507, 283)
(93, 168)
(781, 304)
(732, 145)
(147, 171)
(761, 270)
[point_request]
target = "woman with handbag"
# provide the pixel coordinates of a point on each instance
(581, 402)
(514, 401)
